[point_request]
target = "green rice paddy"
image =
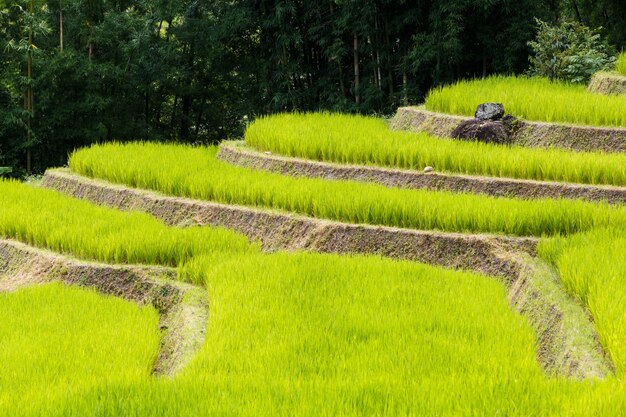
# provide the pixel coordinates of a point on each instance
(593, 269)
(47, 219)
(195, 172)
(536, 99)
(350, 139)
(58, 342)
(307, 334)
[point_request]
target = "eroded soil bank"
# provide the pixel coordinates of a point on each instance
(607, 83)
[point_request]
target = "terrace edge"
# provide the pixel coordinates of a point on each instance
(607, 83)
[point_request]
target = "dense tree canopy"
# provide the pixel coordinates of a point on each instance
(191, 70)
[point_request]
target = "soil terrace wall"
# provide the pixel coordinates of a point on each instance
(607, 83)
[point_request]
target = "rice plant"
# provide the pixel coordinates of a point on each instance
(58, 342)
(367, 140)
(593, 269)
(532, 99)
(308, 334)
(47, 219)
(620, 66)
(195, 172)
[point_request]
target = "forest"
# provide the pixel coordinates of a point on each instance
(77, 72)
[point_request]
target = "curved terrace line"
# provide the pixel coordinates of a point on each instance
(183, 308)
(236, 154)
(567, 342)
(531, 134)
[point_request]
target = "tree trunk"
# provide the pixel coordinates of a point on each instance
(200, 113)
(405, 87)
(61, 30)
(389, 54)
(357, 76)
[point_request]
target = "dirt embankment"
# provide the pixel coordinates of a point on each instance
(531, 134)
(498, 187)
(566, 339)
(607, 83)
(183, 308)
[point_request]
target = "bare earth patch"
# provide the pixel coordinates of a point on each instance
(183, 308)
(567, 342)
(531, 134)
(236, 154)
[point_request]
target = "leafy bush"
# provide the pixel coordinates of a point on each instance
(570, 52)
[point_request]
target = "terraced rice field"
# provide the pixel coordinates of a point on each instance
(340, 138)
(196, 173)
(304, 333)
(536, 99)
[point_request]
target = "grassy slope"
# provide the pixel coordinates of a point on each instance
(368, 140)
(531, 99)
(58, 342)
(195, 172)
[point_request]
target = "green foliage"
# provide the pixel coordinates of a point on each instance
(620, 66)
(367, 140)
(5, 170)
(531, 99)
(60, 342)
(592, 268)
(196, 173)
(569, 52)
(611, 14)
(191, 71)
(51, 220)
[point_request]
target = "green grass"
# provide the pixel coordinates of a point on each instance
(47, 219)
(58, 342)
(531, 99)
(368, 140)
(593, 269)
(620, 66)
(196, 173)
